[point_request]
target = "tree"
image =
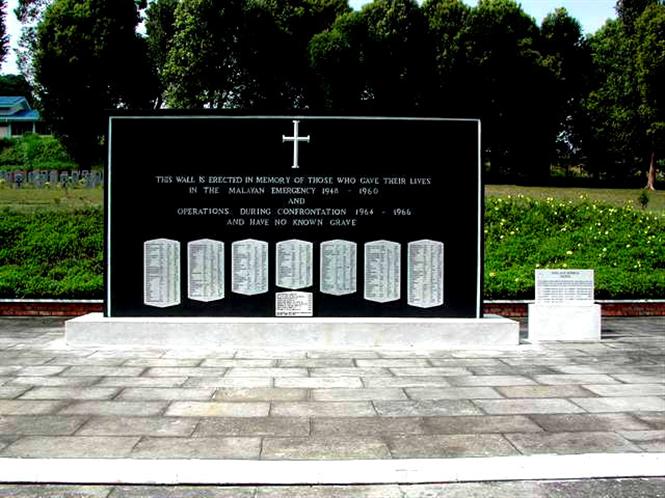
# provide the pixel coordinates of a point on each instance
(160, 29)
(259, 49)
(15, 84)
(650, 62)
(88, 59)
(202, 69)
(613, 138)
(447, 23)
(630, 10)
(29, 13)
(396, 56)
(566, 53)
(336, 58)
(274, 52)
(624, 109)
(510, 85)
(4, 39)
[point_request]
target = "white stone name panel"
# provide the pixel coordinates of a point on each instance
(249, 267)
(293, 269)
(339, 267)
(205, 266)
(161, 273)
(382, 271)
(425, 274)
(294, 304)
(564, 287)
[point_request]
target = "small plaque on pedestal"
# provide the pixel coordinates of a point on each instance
(564, 309)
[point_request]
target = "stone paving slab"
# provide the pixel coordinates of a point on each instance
(253, 426)
(571, 442)
(324, 448)
(75, 393)
(114, 408)
(425, 408)
(138, 426)
(261, 394)
(165, 393)
(200, 448)
(450, 446)
(11, 392)
(418, 393)
(621, 404)
(59, 381)
(217, 409)
(322, 409)
(646, 440)
(49, 425)
(655, 420)
(71, 447)
(483, 424)
(367, 426)
(587, 422)
(320, 382)
(527, 406)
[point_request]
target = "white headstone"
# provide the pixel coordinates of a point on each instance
(161, 273)
(249, 267)
(294, 268)
(382, 271)
(425, 274)
(205, 266)
(339, 267)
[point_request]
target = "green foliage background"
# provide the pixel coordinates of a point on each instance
(59, 254)
(625, 246)
(32, 152)
(51, 254)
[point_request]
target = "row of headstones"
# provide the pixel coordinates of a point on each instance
(52, 178)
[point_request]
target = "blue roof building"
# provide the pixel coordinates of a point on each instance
(17, 117)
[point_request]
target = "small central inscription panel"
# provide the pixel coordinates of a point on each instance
(293, 216)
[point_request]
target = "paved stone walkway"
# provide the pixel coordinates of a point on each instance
(605, 488)
(561, 398)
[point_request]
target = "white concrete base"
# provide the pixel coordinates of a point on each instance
(292, 333)
(266, 472)
(564, 322)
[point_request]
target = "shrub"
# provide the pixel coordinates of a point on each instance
(32, 151)
(625, 247)
(56, 254)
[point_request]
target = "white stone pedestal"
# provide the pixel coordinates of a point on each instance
(564, 322)
(292, 333)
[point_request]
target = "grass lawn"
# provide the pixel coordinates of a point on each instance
(57, 199)
(616, 197)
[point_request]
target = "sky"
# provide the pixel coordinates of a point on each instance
(591, 14)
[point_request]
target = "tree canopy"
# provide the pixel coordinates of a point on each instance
(547, 94)
(89, 59)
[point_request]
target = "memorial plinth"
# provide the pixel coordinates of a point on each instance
(328, 333)
(564, 309)
(293, 231)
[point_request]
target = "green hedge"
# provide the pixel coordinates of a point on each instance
(625, 246)
(34, 152)
(58, 254)
(51, 254)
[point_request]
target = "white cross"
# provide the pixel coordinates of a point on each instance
(295, 139)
